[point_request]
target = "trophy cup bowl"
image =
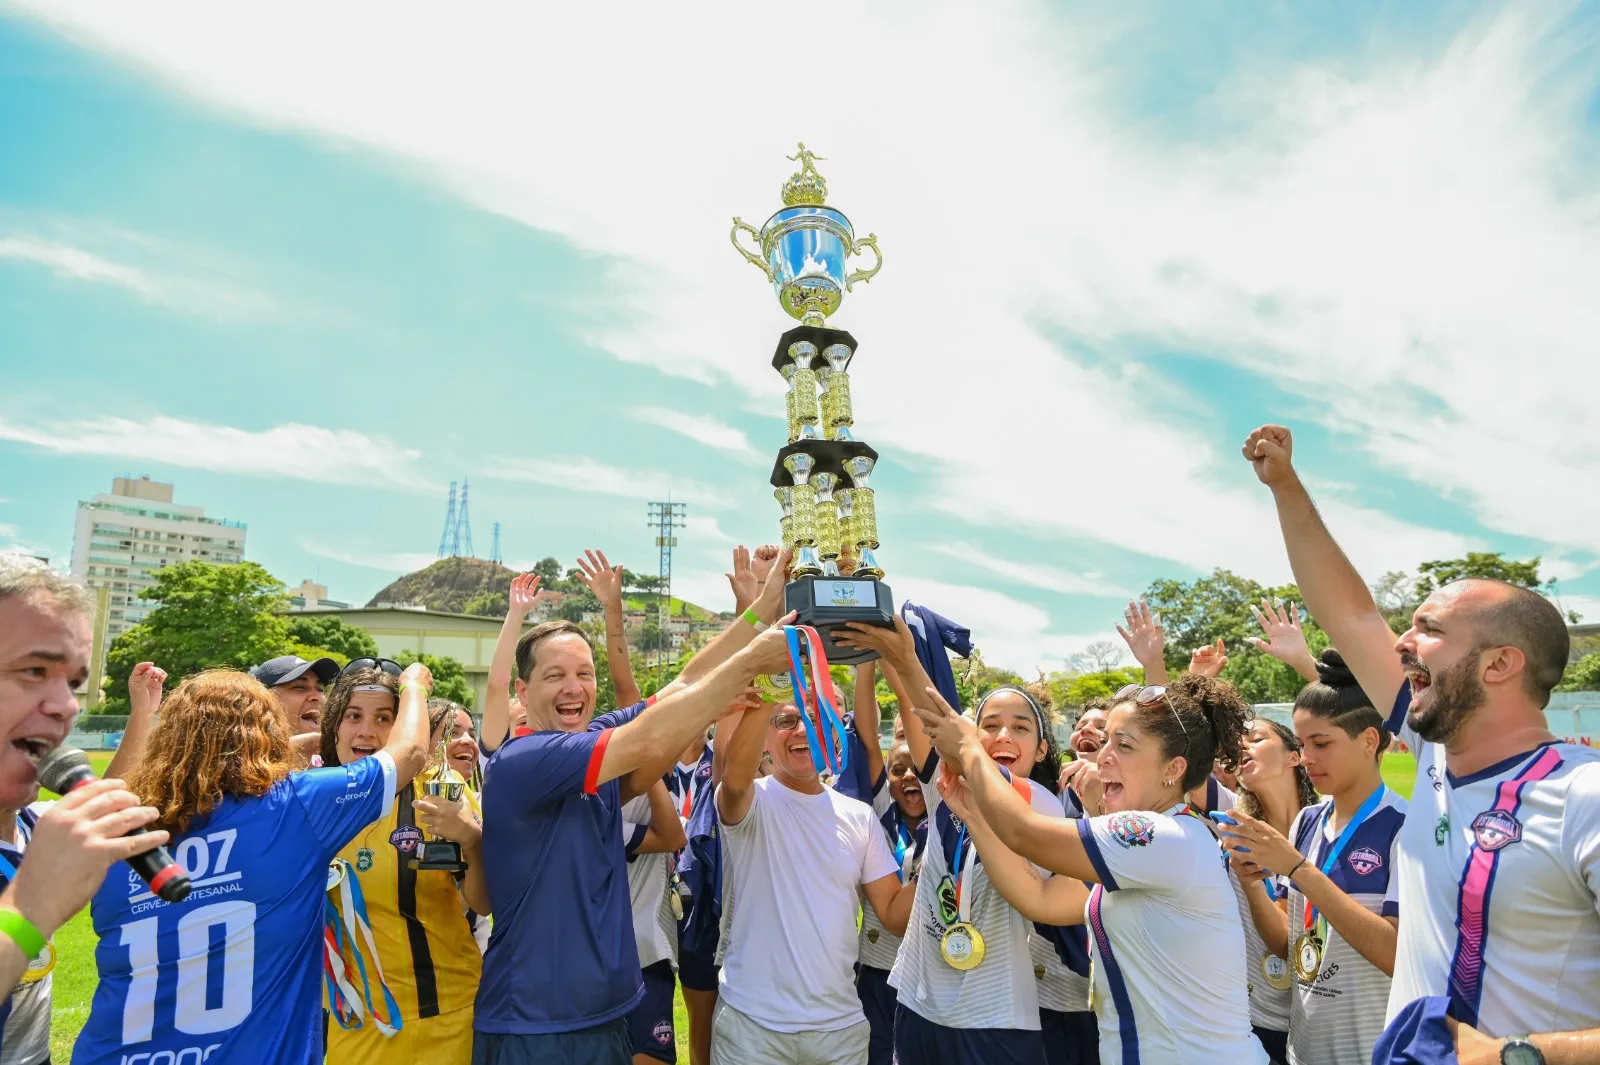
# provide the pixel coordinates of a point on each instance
(437, 854)
(803, 253)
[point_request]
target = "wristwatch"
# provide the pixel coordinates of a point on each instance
(1518, 1051)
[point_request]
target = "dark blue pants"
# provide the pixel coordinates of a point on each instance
(1070, 1038)
(604, 1044)
(919, 1040)
(650, 1022)
(1275, 1042)
(878, 1001)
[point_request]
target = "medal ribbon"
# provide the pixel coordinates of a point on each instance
(1368, 808)
(905, 851)
(964, 877)
(337, 934)
(686, 782)
(825, 731)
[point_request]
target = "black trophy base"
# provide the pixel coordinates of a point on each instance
(827, 603)
(441, 855)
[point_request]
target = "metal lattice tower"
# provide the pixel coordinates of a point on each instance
(463, 539)
(494, 552)
(666, 517)
(447, 537)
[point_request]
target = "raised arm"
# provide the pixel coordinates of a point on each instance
(903, 670)
(144, 697)
(646, 747)
(1056, 900)
(1334, 592)
(1285, 641)
(605, 581)
(408, 739)
(1146, 639)
(497, 701)
(1050, 842)
(1373, 936)
(746, 742)
(665, 834)
(767, 606)
(867, 718)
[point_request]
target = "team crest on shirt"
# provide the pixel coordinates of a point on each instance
(1365, 861)
(364, 859)
(1495, 829)
(1131, 829)
(872, 935)
(405, 838)
(663, 1032)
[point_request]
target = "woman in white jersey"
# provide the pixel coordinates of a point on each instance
(1337, 928)
(1164, 926)
(1275, 787)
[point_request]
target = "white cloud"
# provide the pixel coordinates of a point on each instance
(1031, 575)
(210, 295)
(1007, 631)
(719, 436)
(1407, 244)
(397, 562)
(580, 474)
(297, 452)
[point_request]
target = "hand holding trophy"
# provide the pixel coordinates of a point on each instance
(443, 810)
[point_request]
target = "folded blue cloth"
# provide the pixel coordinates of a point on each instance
(1418, 1035)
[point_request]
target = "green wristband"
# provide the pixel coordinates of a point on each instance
(21, 932)
(753, 618)
(426, 691)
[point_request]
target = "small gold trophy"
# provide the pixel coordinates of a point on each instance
(820, 478)
(446, 785)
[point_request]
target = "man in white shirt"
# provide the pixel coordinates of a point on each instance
(1499, 858)
(796, 853)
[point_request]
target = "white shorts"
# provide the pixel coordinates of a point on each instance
(738, 1040)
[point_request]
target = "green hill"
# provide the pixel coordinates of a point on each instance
(452, 585)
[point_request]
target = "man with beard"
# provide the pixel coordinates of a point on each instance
(1499, 859)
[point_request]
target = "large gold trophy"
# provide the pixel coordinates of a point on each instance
(821, 476)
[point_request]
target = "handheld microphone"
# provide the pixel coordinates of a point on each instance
(66, 769)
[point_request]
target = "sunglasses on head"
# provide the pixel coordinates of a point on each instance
(387, 665)
(1150, 695)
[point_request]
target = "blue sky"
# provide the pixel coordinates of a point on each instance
(313, 265)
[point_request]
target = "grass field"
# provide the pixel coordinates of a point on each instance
(75, 973)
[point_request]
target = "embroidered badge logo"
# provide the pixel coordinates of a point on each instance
(405, 838)
(364, 859)
(948, 910)
(1132, 830)
(662, 1032)
(1365, 861)
(872, 935)
(1038, 972)
(1495, 829)
(1441, 831)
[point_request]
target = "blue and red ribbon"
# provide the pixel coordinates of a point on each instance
(825, 730)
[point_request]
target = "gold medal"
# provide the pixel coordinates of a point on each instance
(675, 901)
(1308, 957)
(962, 946)
(40, 967)
(1276, 971)
(1091, 985)
(775, 687)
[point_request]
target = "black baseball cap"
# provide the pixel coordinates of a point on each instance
(284, 668)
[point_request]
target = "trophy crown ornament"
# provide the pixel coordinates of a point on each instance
(807, 186)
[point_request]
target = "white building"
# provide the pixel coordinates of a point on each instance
(123, 538)
(312, 596)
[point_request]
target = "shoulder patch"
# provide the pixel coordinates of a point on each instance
(1132, 829)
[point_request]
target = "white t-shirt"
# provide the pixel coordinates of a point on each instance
(1059, 988)
(654, 930)
(1339, 1017)
(25, 1038)
(1167, 943)
(1512, 854)
(1001, 991)
(789, 906)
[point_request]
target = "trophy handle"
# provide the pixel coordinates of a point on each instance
(868, 241)
(756, 260)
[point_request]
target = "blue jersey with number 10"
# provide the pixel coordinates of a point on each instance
(234, 972)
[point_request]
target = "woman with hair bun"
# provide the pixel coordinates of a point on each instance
(1337, 927)
(1274, 787)
(1164, 928)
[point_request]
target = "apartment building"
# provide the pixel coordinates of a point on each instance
(122, 539)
